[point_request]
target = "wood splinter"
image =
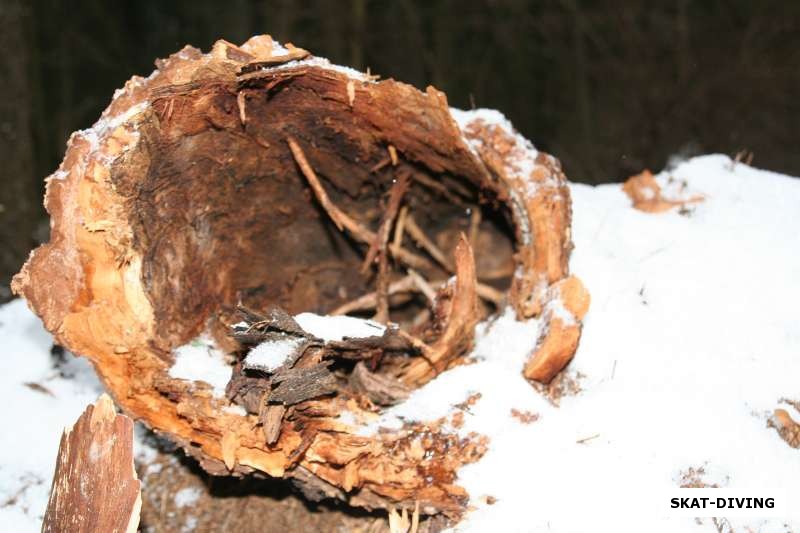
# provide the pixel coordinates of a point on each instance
(95, 487)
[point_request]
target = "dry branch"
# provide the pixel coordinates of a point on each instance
(426, 244)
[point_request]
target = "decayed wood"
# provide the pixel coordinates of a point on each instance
(459, 313)
(380, 389)
(788, 429)
(646, 195)
(221, 179)
(95, 486)
(271, 418)
(568, 302)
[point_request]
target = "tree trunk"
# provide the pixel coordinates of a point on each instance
(20, 208)
(238, 177)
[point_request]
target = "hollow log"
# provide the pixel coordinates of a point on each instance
(262, 177)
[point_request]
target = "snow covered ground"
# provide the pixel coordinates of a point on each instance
(37, 399)
(691, 341)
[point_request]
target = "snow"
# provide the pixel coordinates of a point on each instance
(555, 308)
(34, 419)
(500, 350)
(337, 328)
(269, 355)
(201, 360)
(324, 63)
(689, 344)
(234, 409)
(187, 496)
(106, 125)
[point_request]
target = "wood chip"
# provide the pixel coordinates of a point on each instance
(39, 388)
(271, 418)
(299, 384)
(240, 101)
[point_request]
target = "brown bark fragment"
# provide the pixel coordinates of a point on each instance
(301, 384)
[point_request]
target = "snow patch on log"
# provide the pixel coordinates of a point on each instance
(201, 360)
(103, 127)
(270, 355)
(323, 63)
(338, 328)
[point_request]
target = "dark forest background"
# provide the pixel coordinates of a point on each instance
(608, 87)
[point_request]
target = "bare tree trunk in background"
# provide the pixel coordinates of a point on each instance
(20, 199)
(358, 10)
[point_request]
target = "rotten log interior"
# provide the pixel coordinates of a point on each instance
(219, 190)
(251, 229)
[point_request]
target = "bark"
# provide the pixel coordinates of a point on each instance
(95, 486)
(223, 180)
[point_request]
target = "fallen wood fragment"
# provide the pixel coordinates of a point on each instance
(426, 244)
(788, 429)
(647, 195)
(95, 486)
(569, 302)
